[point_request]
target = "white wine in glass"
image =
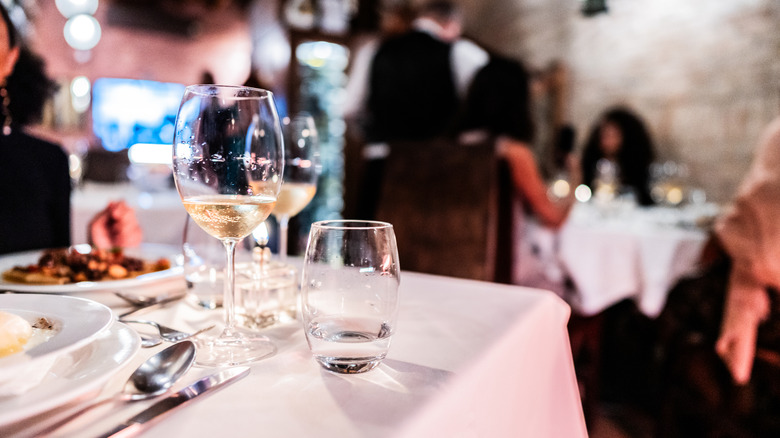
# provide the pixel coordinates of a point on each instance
(301, 170)
(228, 160)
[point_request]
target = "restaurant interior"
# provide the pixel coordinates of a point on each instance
(704, 77)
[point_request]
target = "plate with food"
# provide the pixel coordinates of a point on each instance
(36, 329)
(75, 374)
(82, 268)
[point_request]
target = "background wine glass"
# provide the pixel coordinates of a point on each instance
(227, 164)
(301, 170)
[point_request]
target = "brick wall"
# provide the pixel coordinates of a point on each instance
(705, 75)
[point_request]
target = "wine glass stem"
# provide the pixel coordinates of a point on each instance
(229, 290)
(284, 222)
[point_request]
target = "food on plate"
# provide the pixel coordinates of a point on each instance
(15, 332)
(69, 265)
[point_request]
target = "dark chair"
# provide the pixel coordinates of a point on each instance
(106, 166)
(440, 197)
(698, 396)
(505, 224)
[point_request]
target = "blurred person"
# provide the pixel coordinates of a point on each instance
(721, 330)
(621, 138)
(395, 18)
(414, 87)
(499, 105)
(499, 102)
(418, 79)
(35, 183)
(749, 232)
(562, 148)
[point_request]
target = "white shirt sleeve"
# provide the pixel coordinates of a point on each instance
(466, 60)
(359, 76)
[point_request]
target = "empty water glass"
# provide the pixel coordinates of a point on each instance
(349, 293)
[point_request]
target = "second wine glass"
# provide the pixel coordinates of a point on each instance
(228, 166)
(301, 170)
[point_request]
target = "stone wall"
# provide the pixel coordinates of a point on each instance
(705, 75)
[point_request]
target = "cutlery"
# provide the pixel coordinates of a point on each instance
(146, 303)
(148, 341)
(153, 378)
(167, 333)
(162, 408)
(145, 300)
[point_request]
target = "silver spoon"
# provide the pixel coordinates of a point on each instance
(154, 377)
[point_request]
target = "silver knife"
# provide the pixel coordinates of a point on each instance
(162, 408)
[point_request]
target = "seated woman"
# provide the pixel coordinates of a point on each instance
(620, 138)
(34, 174)
(499, 103)
(721, 331)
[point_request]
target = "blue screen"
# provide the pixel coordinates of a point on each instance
(130, 111)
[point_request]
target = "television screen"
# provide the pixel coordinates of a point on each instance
(126, 112)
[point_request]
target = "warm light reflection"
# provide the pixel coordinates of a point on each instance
(387, 263)
(583, 193)
(69, 8)
(80, 86)
(560, 188)
(318, 54)
(260, 234)
(82, 32)
(80, 93)
(674, 195)
(303, 164)
(149, 153)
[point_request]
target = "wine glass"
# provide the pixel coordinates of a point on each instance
(301, 169)
(228, 159)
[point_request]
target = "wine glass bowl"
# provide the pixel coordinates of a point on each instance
(228, 167)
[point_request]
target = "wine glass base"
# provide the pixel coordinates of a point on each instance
(233, 349)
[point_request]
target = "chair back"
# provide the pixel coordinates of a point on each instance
(440, 197)
(506, 223)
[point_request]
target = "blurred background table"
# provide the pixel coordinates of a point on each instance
(630, 253)
(468, 358)
(160, 213)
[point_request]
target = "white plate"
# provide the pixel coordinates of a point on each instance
(74, 374)
(76, 321)
(146, 252)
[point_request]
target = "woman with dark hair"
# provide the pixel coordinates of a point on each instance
(34, 176)
(499, 105)
(620, 137)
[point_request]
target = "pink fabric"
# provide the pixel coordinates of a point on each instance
(750, 233)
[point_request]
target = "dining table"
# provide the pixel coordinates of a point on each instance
(468, 359)
(626, 252)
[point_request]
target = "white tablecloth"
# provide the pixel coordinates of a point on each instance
(160, 213)
(469, 359)
(636, 253)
